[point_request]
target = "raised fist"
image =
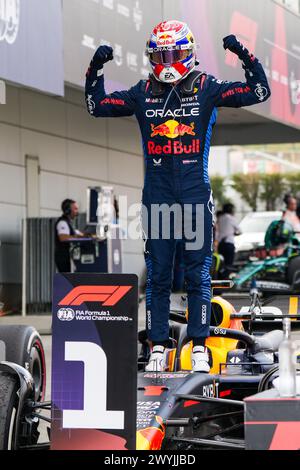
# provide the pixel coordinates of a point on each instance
(231, 43)
(102, 55)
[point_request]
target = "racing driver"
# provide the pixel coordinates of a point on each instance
(176, 109)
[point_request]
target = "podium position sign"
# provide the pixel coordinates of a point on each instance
(94, 362)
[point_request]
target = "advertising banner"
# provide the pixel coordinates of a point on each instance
(31, 44)
(124, 24)
(94, 362)
(266, 29)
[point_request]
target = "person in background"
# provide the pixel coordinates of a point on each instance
(65, 231)
(227, 229)
(290, 214)
(216, 229)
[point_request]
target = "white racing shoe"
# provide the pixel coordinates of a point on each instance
(157, 361)
(200, 360)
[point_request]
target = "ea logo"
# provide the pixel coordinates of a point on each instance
(65, 314)
(9, 20)
(169, 76)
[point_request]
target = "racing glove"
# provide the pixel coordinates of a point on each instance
(102, 55)
(231, 43)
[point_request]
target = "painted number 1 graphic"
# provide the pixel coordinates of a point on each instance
(94, 414)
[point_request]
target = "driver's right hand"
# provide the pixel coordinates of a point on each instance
(102, 55)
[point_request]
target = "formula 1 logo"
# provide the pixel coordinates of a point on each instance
(108, 296)
(9, 20)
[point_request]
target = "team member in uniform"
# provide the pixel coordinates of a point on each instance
(176, 109)
(64, 231)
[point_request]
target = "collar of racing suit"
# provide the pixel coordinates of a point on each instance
(187, 85)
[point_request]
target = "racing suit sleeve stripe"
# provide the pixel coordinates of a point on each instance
(238, 94)
(99, 104)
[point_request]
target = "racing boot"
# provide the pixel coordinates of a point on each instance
(157, 361)
(200, 359)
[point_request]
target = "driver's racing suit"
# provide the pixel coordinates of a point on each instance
(176, 124)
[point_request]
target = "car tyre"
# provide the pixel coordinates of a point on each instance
(8, 410)
(24, 347)
(292, 269)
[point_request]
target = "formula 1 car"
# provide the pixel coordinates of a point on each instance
(177, 409)
(180, 410)
(276, 265)
(185, 411)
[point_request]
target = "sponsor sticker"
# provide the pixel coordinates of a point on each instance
(261, 92)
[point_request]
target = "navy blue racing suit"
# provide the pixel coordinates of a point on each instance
(176, 124)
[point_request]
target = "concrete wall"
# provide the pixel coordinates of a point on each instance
(75, 151)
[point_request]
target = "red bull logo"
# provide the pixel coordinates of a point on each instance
(166, 39)
(173, 129)
(165, 36)
(162, 130)
(174, 147)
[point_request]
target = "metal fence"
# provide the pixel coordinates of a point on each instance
(38, 265)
